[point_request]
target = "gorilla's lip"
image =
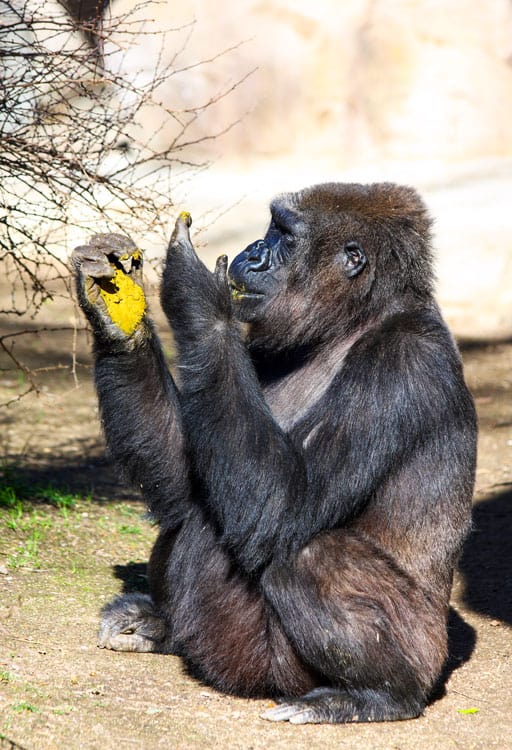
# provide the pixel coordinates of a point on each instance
(240, 291)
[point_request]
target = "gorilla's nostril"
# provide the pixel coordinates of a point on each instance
(258, 256)
(256, 250)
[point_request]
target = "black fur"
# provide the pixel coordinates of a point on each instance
(313, 480)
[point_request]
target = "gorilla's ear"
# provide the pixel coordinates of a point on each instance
(353, 259)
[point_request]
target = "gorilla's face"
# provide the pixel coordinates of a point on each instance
(259, 272)
(299, 262)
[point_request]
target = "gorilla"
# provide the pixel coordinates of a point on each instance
(310, 466)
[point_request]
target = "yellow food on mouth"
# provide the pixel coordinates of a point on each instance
(237, 294)
(124, 300)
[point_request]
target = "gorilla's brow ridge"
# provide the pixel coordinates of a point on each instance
(283, 213)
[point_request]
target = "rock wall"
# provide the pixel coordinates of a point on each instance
(349, 81)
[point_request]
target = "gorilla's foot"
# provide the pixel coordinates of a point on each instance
(332, 706)
(130, 623)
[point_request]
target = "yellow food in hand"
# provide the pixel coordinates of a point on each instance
(124, 300)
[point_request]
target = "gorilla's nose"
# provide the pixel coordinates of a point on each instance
(258, 256)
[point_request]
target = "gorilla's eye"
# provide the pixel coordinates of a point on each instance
(284, 246)
(283, 230)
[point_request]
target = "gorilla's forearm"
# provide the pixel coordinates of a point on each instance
(140, 411)
(233, 438)
(254, 478)
(138, 399)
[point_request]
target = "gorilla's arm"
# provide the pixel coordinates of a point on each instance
(271, 492)
(142, 424)
(139, 402)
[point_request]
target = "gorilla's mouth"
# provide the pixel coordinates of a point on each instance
(240, 292)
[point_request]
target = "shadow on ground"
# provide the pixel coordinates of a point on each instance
(486, 562)
(461, 644)
(91, 475)
(134, 577)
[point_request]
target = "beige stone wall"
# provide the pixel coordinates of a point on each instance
(351, 80)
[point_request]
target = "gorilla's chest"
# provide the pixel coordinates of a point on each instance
(292, 397)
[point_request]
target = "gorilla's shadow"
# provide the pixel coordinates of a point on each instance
(461, 643)
(486, 568)
(134, 577)
(486, 562)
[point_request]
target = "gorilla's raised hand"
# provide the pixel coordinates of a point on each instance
(109, 285)
(194, 299)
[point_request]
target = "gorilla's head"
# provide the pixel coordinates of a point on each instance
(332, 257)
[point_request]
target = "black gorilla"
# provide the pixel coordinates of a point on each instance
(312, 477)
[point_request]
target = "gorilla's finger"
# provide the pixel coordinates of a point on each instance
(112, 243)
(221, 269)
(186, 218)
(91, 262)
(181, 234)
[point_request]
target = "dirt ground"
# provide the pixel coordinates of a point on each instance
(58, 565)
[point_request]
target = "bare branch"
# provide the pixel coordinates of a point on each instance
(74, 154)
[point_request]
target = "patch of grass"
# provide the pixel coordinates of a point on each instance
(14, 515)
(126, 529)
(27, 555)
(64, 711)
(12, 490)
(50, 530)
(34, 691)
(16, 492)
(53, 496)
(126, 510)
(24, 706)
(23, 512)
(8, 497)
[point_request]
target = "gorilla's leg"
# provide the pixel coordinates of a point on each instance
(378, 639)
(218, 621)
(131, 623)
